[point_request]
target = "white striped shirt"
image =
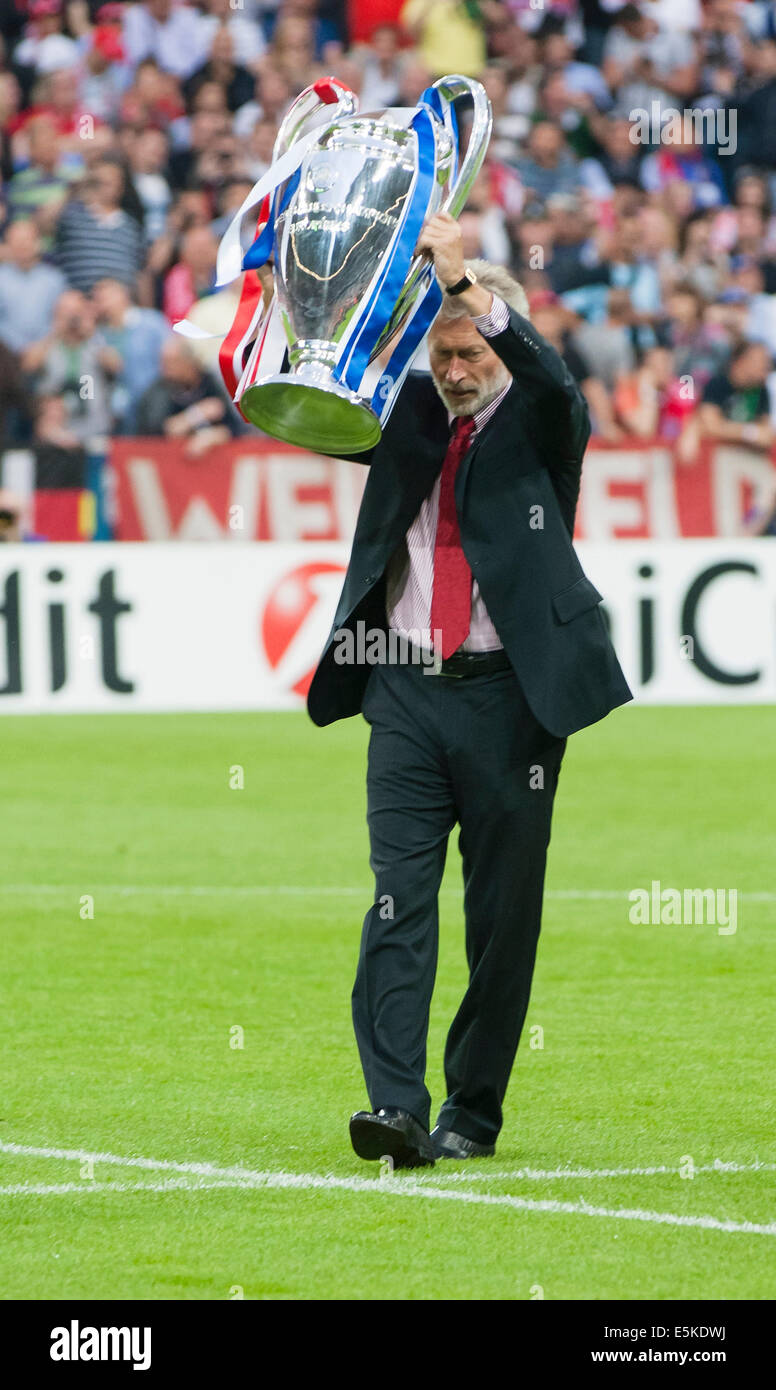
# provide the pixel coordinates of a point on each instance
(410, 575)
(91, 247)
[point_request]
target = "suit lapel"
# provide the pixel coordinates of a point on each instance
(417, 439)
(497, 438)
(422, 455)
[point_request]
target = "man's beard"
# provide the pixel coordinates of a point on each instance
(472, 403)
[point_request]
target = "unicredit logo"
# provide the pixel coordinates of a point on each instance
(296, 619)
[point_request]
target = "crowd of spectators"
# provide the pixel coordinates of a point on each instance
(131, 130)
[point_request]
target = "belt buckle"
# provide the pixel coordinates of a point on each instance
(436, 670)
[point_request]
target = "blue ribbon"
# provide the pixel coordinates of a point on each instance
(352, 365)
(421, 322)
(410, 339)
(432, 97)
(259, 253)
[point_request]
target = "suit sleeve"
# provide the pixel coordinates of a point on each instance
(365, 457)
(417, 407)
(554, 403)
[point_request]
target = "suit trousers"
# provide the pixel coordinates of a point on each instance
(446, 751)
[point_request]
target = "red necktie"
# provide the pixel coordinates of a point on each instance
(451, 603)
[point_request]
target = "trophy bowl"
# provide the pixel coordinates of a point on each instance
(325, 418)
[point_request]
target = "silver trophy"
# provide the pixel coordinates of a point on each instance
(353, 298)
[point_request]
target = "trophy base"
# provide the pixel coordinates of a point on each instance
(329, 420)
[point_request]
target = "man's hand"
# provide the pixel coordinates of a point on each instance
(178, 425)
(197, 417)
(110, 360)
(213, 408)
(441, 240)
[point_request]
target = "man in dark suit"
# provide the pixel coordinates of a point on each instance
(463, 555)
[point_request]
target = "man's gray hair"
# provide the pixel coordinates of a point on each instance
(494, 278)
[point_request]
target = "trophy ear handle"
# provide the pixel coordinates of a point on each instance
(326, 100)
(449, 88)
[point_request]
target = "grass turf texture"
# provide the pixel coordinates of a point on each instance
(658, 1041)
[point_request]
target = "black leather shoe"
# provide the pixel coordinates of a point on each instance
(391, 1133)
(447, 1144)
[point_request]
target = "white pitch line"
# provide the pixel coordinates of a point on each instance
(202, 1170)
(192, 890)
(57, 1189)
(394, 1188)
(483, 1174)
(303, 890)
(255, 1175)
(391, 1187)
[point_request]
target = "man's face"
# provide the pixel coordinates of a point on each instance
(63, 89)
(222, 47)
(471, 231)
(263, 140)
(72, 317)
(618, 141)
(385, 43)
(23, 244)
(109, 297)
(178, 364)
(199, 249)
(684, 309)
(107, 184)
(44, 144)
(272, 90)
(150, 151)
(194, 209)
(752, 368)
(557, 50)
(548, 320)
(545, 143)
(466, 371)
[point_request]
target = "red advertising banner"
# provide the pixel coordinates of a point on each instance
(642, 490)
(244, 490)
(262, 490)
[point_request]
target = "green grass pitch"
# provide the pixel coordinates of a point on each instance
(219, 909)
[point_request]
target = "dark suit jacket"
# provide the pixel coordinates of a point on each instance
(516, 491)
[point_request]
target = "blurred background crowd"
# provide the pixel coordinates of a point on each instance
(130, 131)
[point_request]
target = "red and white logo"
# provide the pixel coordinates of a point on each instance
(296, 619)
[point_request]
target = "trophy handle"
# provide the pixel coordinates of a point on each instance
(326, 100)
(449, 88)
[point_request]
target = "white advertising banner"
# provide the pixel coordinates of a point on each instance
(138, 626)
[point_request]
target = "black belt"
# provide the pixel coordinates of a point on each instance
(462, 664)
